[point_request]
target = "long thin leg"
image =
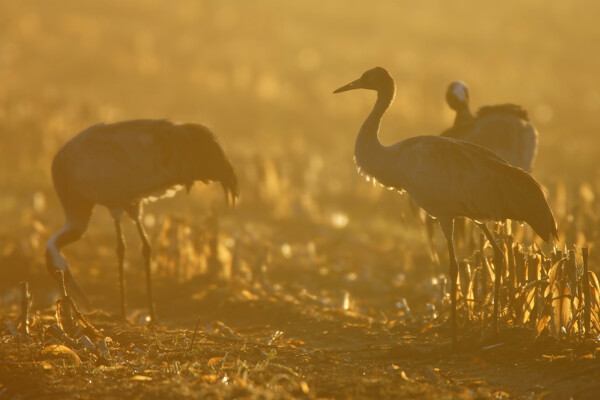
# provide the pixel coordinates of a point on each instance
(147, 253)
(453, 284)
(121, 257)
(499, 267)
(448, 229)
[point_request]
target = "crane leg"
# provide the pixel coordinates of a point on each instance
(453, 284)
(121, 257)
(499, 267)
(147, 253)
(448, 229)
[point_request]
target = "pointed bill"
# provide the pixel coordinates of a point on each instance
(352, 85)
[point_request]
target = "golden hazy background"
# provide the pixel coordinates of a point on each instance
(261, 75)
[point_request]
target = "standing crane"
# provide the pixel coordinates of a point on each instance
(449, 178)
(122, 165)
(504, 129)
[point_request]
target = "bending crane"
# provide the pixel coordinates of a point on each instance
(448, 178)
(120, 166)
(504, 129)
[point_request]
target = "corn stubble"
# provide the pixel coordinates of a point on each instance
(547, 294)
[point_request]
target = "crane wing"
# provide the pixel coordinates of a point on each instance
(451, 178)
(508, 108)
(512, 138)
(116, 164)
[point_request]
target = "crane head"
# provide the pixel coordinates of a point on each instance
(377, 78)
(457, 95)
(56, 262)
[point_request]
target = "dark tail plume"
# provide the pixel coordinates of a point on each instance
(532, 207)
(229, 182)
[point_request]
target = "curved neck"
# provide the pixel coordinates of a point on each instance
(368, 147)
(67, 235)
(463, 115)
(54, 258)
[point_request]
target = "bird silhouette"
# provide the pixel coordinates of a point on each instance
(122, 165)
(504, 129)
(448, 178)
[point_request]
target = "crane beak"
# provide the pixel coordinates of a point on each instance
(352, 85)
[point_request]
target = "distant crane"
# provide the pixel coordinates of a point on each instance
(449, 178)
(120, 166)
(504, 129)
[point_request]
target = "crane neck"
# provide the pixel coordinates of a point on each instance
(54, 257)
(69, 234)
(463, 115)
(368, 148)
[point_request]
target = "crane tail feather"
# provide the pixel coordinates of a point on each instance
(230, 194)
(529, 204)
(229, 182)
